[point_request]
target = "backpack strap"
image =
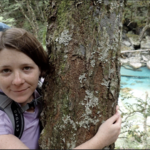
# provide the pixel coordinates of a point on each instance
(6, 102)
(18, 119)
(13, 110)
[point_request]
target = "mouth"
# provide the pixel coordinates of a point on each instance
(18, 91)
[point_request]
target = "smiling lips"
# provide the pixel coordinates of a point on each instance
(20, 90)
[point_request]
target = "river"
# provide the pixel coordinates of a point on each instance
(138, 81)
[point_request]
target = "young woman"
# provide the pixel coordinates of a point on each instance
(23, 62)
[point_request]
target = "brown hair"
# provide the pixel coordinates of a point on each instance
(23, 41)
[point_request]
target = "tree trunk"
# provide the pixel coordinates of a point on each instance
(81, 92)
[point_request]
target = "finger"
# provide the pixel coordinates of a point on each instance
(114, 118)
(119, 120)
(117, 108)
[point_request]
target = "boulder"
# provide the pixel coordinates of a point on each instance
(135, 59)
(135, 65)
(124, 61)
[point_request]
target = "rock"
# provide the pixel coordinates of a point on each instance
(136, 56)
(127, 67)
(134, 39)
(135, 65)
(143, 64)
(144, 58)
(135, 59)
(145, 44)
(125, 48)
(148, 64)
(147, 37)
(126, 43)
(124, 61)
(126, 90)
(139, 81)
(147, 56)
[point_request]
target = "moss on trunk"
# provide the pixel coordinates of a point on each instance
(83, 40)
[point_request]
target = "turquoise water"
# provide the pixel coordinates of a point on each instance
(141, 72)
(139, 83)
(138, 79)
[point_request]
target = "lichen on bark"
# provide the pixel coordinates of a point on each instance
(83, 41)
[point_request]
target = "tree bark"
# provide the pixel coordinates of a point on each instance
(81, 92)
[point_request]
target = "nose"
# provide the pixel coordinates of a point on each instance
(18, 78)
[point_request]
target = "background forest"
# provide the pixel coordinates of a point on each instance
(27, 14)
(31, 15)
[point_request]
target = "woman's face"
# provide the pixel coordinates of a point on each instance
(19, 75)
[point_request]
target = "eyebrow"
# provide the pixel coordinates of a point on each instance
(5, 66)
(25, 64)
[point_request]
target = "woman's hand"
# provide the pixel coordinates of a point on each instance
(107, 134)
(109, 130)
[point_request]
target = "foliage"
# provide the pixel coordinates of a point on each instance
(13, 11)
(8, 21)
(135, 131)
(136, 12)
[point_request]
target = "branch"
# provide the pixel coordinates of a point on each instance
(122, 137)
(39, 10)
(23, 12)
(147, 25)
(34, 22)
(143, 31)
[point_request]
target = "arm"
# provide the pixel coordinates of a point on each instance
(106, 135)
(11, 142)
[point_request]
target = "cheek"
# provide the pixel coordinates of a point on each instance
(4, 82)
(33, 80)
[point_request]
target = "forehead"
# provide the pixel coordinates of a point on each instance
(12, 56)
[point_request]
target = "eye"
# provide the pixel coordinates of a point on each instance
(27, 68)
(6, 71)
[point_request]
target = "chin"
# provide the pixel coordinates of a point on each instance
(21, 99)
